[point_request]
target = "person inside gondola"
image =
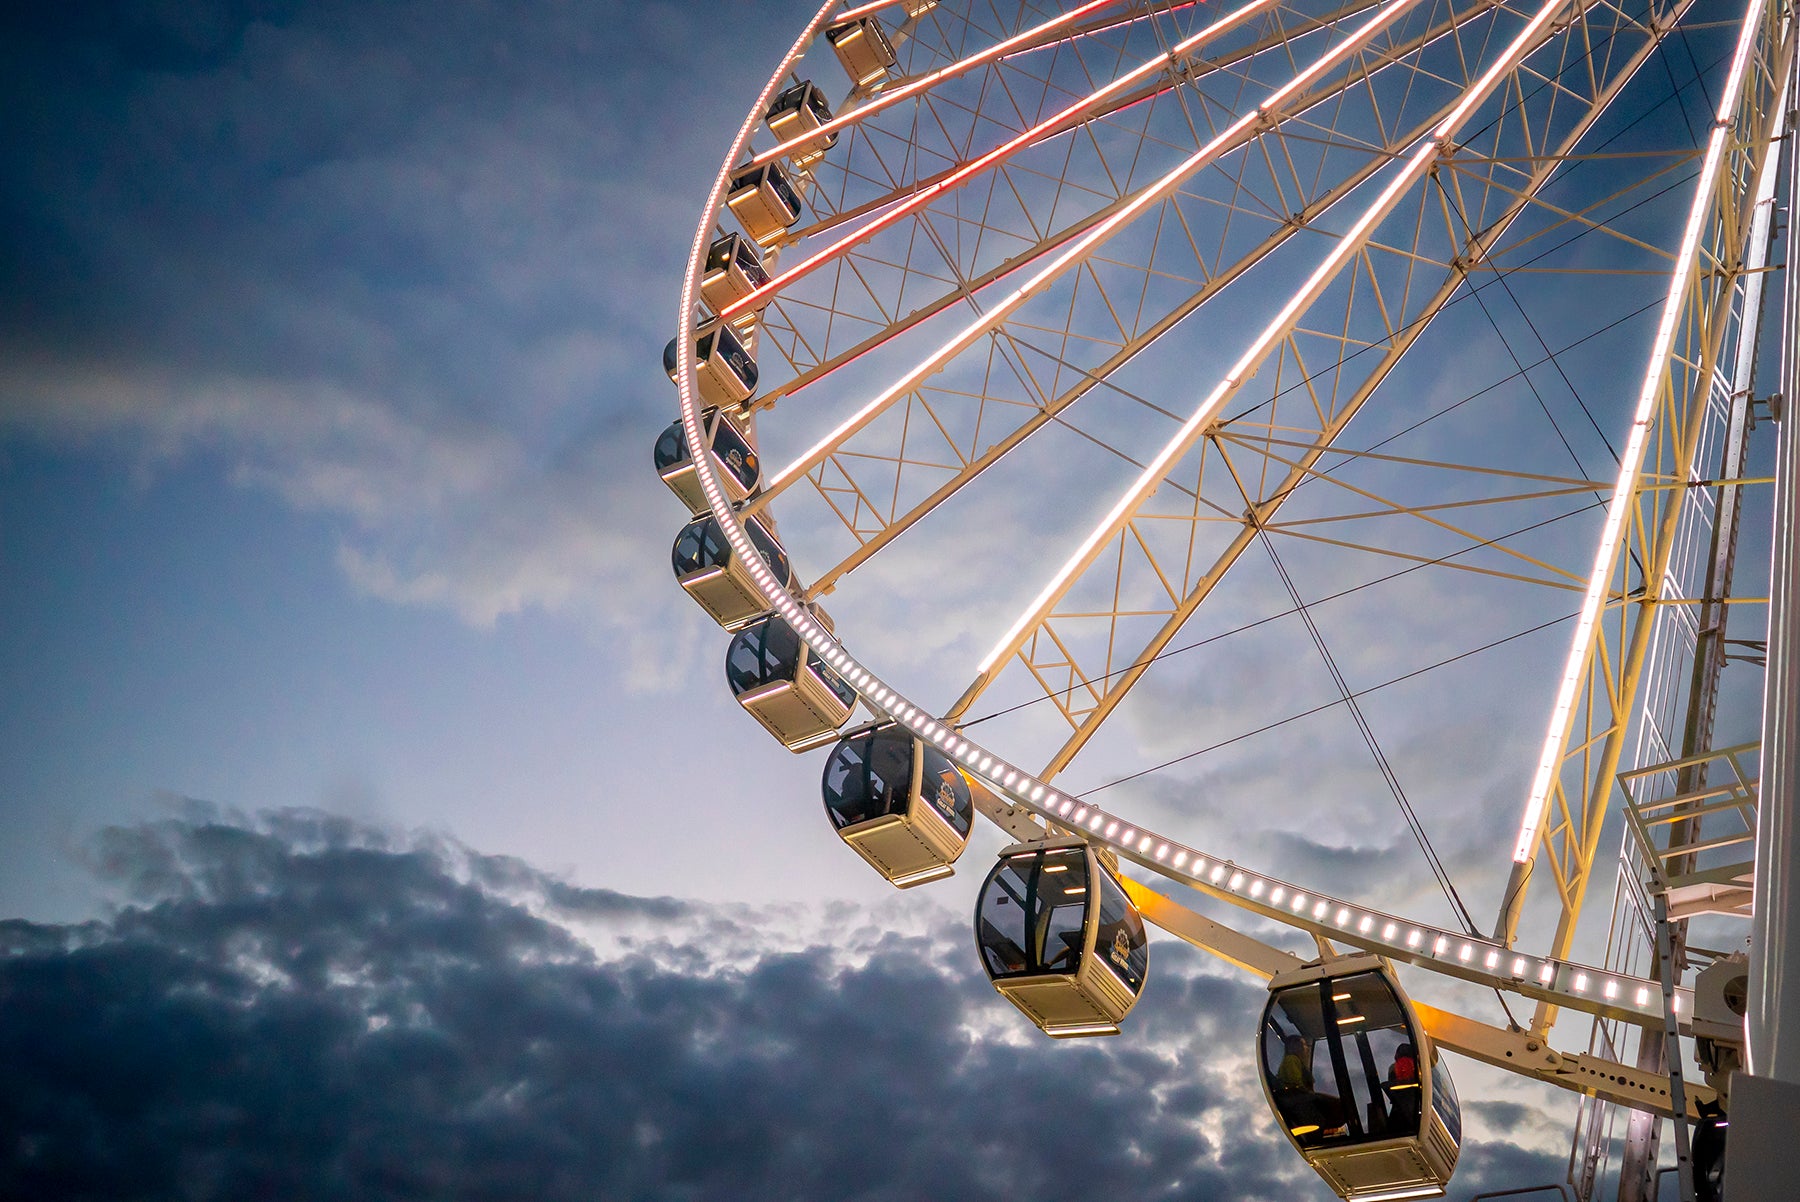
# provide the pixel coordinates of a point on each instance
(1310, 1115)
(1402, 1089)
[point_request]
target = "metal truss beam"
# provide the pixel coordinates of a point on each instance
(1106, 688)
(1569, 798)
(1300, 94)
(1517, 1052)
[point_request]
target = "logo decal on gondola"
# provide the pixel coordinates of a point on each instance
(946, 793)
(735, 458)
(1121, 948)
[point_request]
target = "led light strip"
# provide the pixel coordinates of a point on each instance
(887, 99)
(1352, 243)
(1573, 985)
(1238, 133)
(1631, 463)
(1043, 129)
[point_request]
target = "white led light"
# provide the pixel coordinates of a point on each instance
(1366, 925)
(1493, 958)
(1218, 873)
(1396, 1195)
(1547, 972)
(1437, 949)
(1276, 894)
(1611, 990)
(1222, 143)
(1675, 1004)
(1631, 461)
(1468, 950)
(1095, 821)
(1081, 813)
(1236, 881)
(1162, 853)
(1066, 803)
(1111, 827)
(1518, 968)
(1299, 902)
(1581, 982)
(1125, 838)
(1256, 888)
(1145, 842)
(1199, 865)
(1643, 997)
(1319, 910)
(1389, 931)
(1414, 938)
(1343, 917)
(1037, 792)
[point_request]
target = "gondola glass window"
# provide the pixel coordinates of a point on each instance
(733, 459)
(768, 652)
(783, 685)
(899, 803)
(721, 582)
(1060, 940)
(871, 776)
(1034, 914)
(1032, 920)
(763, 201)
(798, 111)
(1343, 1089)
(733, 270)
(726, 371)
(1444, 1102)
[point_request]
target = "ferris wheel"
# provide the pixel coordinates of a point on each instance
(1069, 391)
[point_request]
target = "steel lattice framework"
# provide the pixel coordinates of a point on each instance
(1035, 215)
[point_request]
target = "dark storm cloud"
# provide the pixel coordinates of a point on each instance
(303, 1008)
(1506, 1117)
(1503, 1166)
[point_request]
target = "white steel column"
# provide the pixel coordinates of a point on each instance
(1772, 1019)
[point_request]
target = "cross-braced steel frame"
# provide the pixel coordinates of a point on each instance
(1035, 213)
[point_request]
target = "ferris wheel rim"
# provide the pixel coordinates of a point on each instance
(1561, 981)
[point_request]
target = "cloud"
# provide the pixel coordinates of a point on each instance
(409, 268)
(304, 1007)
(301, 1006)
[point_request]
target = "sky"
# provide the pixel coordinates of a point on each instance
(378, 824)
